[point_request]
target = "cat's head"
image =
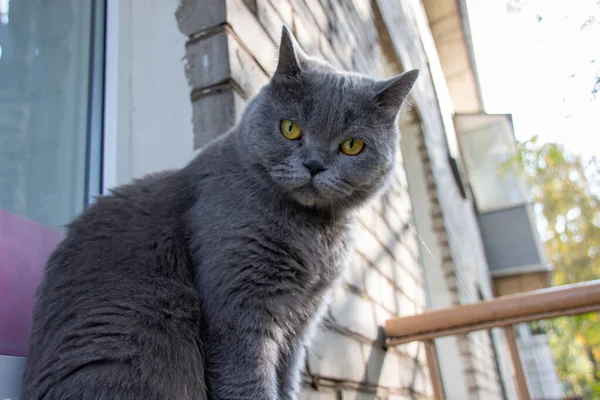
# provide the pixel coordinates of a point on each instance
(327, 138)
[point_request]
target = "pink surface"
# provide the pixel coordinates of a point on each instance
(24, 248)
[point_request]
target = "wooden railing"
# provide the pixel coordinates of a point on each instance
(502, 312)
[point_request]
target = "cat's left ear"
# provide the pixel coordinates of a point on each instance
(390, 94)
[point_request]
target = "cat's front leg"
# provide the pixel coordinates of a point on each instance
(241, 365)
(289, 371)
(292, 357)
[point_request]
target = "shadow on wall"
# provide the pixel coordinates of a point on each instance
(375, 367)
(376, 358)
(350, 353)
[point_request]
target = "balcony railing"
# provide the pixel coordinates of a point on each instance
(502, 312)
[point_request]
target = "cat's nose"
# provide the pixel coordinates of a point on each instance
(314, 167)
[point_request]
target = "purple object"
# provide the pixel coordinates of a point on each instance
(24, 247)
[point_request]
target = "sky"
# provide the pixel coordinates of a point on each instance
(541, 63)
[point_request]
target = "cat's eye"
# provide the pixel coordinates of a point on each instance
(352, 147)
(290, 129)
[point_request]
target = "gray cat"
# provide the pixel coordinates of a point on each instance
(205, 282)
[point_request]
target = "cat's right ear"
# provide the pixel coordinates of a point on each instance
(288, 66)
(390, 94)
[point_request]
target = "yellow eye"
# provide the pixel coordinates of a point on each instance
(352, 147)
(290, 129)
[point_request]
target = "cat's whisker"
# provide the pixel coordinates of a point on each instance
(282, 167)
(284, 175)
(332, 211)
(223, 176)
(239, 183)
(186, 188)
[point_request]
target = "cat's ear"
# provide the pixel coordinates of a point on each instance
(290, 55)
(390, 94)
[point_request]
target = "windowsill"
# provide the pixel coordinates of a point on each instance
(522, 270)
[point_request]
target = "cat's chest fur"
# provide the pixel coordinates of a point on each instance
(253, 251)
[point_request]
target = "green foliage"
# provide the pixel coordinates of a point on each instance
(566, 190)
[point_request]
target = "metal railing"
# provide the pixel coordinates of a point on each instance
(501, 312)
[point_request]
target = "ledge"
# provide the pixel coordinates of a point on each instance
(521, 270)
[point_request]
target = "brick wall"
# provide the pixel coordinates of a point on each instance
(230, 54)
(462, 259)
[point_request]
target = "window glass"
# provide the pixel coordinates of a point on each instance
(44, 108)
(51, 68)
(485, 150)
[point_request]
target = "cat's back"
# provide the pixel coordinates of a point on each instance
(134, 231)
(116, 313)
(139, 225)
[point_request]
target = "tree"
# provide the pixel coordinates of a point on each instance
(566, 190)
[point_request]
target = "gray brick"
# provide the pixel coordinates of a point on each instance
(269, 18)
(387, 369)
(328, 53)
(208, 61)
(368, 38)
(311, 394)
(382, 315)
(306, 31)
(408, 285)
(404, 305)
(244, 70)
(366, 243)
(343, 40)
(251, 4)
(363, 10)
(381, 228)
(284, 9)
(354, 312)
(319, 14)
(386, 265)
(423, 381)
(361, 65)
(400, 213)
(413, 350)
(411, 242)
(252, 35)
(366, 214)
(195, 16)
(408, 258)
(381, 290)
(214, 114)
(220, 57)
(324, 3)
(336, 356)
(376, 243)
(357, 395)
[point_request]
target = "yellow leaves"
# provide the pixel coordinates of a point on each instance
(596, 353)
(567, 190)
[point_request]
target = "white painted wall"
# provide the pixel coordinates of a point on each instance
(148, 112)
(438, 293)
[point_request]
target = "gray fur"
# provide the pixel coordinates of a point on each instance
(207, 281)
